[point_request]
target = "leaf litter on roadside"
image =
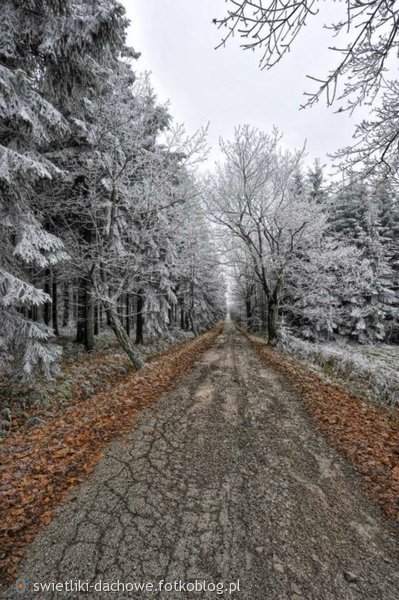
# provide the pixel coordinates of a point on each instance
(367, 435)
(39, 469)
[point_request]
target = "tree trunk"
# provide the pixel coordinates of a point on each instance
(272, 316)
(127, 320)
(191, 325)
(47, 290)
(33, 313)
(54, 305)
(65, 315)
(81, 313)
(263, 316)
(124, 340)
(96, 318)
(139, 319)
(89, 318)
(248, 312)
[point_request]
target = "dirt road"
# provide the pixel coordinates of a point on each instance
(225, 479)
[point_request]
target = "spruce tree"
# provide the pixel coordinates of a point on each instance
(389, 234)
(315, 183)
(51, 53)
(354, 219)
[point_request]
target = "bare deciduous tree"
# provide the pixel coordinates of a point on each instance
(361, 75)
(250, 196)
(273, 27)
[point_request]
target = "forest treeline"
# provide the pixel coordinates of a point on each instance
(310, 256)
(105, 222)
(314, 256)
(100, 219)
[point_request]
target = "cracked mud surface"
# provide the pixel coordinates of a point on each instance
(224, 479)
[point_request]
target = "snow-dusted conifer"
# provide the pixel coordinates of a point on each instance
(49, 53)
(354, 219)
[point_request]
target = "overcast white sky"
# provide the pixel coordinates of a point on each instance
(226, 87)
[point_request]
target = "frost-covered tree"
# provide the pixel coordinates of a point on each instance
(90, 199)
(51, 53)
(243, 289)
(388, 204)
(349, 215)
(201, 284)
(105, 205)
(315, 183)
(375, 150)
(365, 56)
(282, 232)
(359, 298)
(119, 211)
(257, 194)
(272, 28)
(355, 218)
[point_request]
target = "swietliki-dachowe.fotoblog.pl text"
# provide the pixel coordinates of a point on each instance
(195, 586)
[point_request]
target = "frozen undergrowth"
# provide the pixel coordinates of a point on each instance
(171, 337)
(106, 341)
(369, 370)
(83, 374)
